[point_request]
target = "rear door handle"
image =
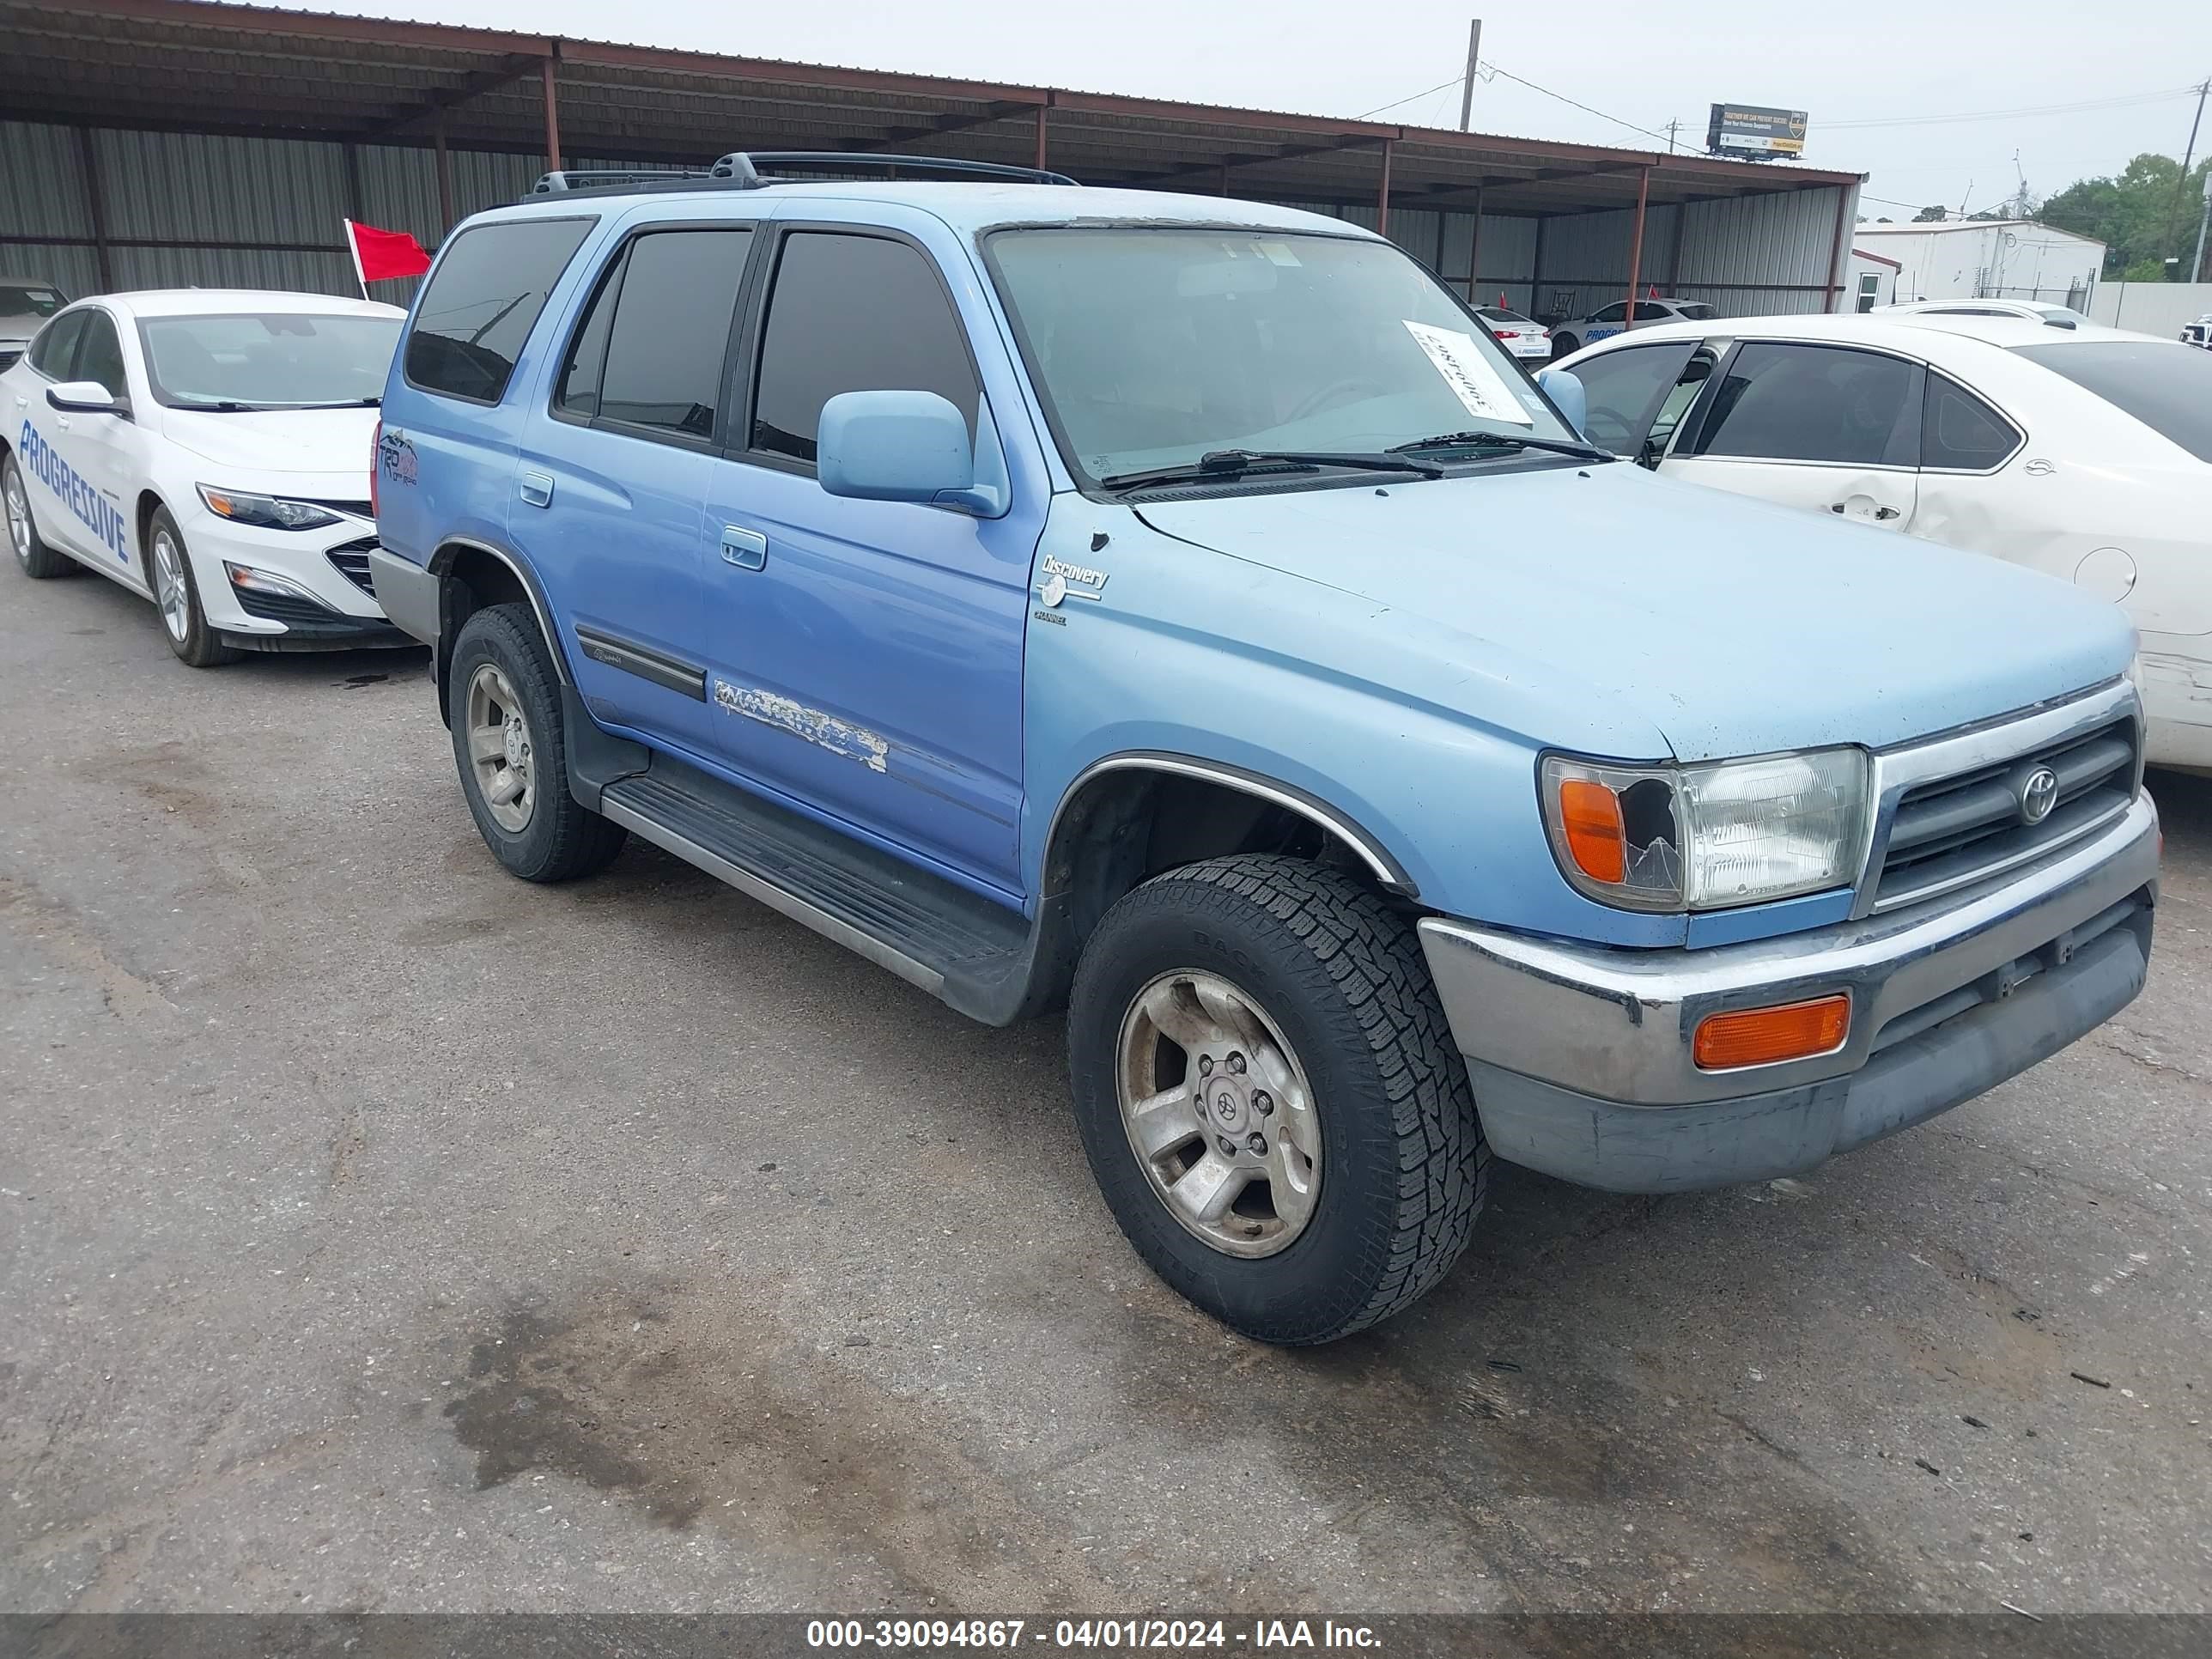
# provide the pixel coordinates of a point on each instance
(535, 488)
(745, 549)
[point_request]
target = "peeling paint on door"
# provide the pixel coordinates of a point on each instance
(826, 730)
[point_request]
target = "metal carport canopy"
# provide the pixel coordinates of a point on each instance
(186, 65)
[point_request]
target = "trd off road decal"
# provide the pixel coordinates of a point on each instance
(395, 458)
(101, 516)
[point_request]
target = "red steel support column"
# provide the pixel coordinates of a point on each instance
(95, 208)
(1383, 194)
(1636, 246)
(1041, 109)
(552, 110)
(1224, 179)
(1475, 246)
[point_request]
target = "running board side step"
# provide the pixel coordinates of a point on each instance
(961, 948)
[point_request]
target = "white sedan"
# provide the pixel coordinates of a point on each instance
(209, 449)
(2051, 315)
(1523, 337)
(2084, 452)
(1606, 321)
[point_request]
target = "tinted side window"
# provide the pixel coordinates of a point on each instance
(1625, 388)
(1792, 403)
(99, 356)
(853, 313)
(650, 352)
(52, 352)
(2168, 387)
(1960, 430)
(1612, 313)
(482, 301)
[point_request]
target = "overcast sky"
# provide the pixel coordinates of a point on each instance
(1646, 65)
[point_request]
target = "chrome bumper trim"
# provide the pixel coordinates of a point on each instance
(1616, 1025)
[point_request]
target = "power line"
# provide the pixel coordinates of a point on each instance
(1585, 108)
(1409, 97)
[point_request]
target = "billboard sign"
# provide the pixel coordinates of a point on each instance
(1755, 131)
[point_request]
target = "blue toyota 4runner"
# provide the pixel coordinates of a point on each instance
(1181, 610)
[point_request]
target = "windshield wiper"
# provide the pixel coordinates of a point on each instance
(1502, 441)
(222, 406)
(345, 402)
(1224, 464)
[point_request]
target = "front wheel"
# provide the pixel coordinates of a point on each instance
(177, 593)
(508, 741)
(1565, 345)
(1270, 1098)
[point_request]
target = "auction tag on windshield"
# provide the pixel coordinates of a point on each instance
(1470, 374)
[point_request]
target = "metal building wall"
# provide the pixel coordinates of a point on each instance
(1748, 256)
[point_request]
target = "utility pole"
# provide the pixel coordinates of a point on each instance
(2197, 266)
(1467, 89)
(2187, 155)
(1672, 128)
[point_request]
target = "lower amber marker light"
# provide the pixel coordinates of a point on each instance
(1761, 1037)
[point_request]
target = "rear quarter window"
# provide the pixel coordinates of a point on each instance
(2165, 385)
(484, 298)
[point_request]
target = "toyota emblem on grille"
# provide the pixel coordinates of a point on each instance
(2037, 793)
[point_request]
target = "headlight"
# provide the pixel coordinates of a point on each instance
(266, 512)
(1704, 837)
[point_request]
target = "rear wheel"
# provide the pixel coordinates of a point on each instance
(1270, 1098)
(177, 594)
(37, 560)
(508, 744)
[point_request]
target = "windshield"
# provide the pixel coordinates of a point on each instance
(1153, 348)
(1696, 310)
(2164, 384)
(273, 359)
(30, 300)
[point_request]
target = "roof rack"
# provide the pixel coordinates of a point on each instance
(741, 170)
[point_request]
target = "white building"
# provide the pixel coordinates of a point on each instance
(1986, 259)
(1873, 281)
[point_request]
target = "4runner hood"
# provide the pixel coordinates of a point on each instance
(1736, 626)
(281, 441)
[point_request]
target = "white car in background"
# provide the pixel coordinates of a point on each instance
(2198, 333)
(26, 302)
(1524, 336)
(2085, 453)
(2028, 311)
(1609, 320)
(209, 449)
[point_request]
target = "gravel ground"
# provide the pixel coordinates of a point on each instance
(379, 1233)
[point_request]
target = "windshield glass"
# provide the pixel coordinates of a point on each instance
(273, 359)
(2164, 384)
(1696, 310)
(29, 300)
(1154, 348)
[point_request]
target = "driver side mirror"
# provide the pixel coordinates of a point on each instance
(909, 446)
(1564, 388)
(83, 397)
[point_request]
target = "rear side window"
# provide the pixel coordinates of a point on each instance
(482, 301)
(650, 352)
(52, 352)
(2165, 385)
(1796, 402)
(854, 313)
(1959, 432)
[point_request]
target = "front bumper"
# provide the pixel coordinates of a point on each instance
(1581, 1060)
(324, 602)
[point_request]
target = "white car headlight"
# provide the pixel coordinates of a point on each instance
(1708, 836)
(267, 511)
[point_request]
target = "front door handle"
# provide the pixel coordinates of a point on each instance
(745, 549)
(536, 489)
(1886, 512)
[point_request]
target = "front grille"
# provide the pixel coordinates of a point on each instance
(1954, 830)
(352, 560)
(287, 608)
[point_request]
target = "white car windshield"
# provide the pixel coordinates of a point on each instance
(29, 300)
(1157, 347)
(268, 360)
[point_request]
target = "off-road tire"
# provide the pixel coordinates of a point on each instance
(37, 560)
(1344, 978)
(563, 839)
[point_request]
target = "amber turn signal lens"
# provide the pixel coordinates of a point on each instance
(1760, 1036)
(1589, 813)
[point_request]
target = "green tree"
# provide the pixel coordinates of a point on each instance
(2144, 217)
(1930, 216)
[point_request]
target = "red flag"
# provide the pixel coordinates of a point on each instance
(1652, 294)
(380, 255)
